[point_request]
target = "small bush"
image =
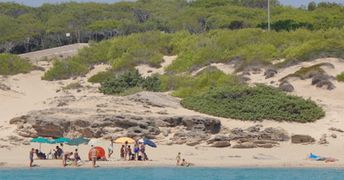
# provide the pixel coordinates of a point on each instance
(101, 76)
(129, 81)
(340, 77)
(254, 103)
(12, 64)
(65, 69)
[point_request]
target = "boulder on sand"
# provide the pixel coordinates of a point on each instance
(286, 86)
(302, 139)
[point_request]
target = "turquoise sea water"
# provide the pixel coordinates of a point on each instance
(172, 173)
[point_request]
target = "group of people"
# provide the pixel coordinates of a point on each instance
(137, 152)
(127, 152)
(56, 154)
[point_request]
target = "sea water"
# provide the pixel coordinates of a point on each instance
(172, 174)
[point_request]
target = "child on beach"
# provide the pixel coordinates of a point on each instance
(178, 158)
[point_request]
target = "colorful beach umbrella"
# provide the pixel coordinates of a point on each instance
(148, 142)
(78, 141)
(61, 140)
(41, 140)
(122, 140)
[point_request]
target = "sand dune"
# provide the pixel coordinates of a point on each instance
(28, 92)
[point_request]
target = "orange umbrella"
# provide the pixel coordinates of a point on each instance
(100, 153)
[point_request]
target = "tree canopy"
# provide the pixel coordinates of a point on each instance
(25, 28)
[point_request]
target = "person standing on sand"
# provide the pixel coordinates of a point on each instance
(32, 152)
(122, 151)
(110, 149)
(93, 156)
(76, 157)
(126, 150)
(136, 150)
(178, 158)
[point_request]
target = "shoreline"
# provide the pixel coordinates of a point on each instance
(147, 165)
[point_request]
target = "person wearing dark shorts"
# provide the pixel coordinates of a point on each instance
(32, 152)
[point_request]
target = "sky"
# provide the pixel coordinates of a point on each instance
(296, 3)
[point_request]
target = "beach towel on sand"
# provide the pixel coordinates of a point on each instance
(314, 157)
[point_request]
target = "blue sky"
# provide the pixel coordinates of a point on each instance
(296, 3)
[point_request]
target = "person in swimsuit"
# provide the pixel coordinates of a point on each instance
(94, 156)
(66, 157)
(136, 150)
(32, 152)
(110, 149)
(76, 157)
(143, 152)
(185, 163)
(122, 151)
(178, 158)
(129, 152)
(126, 150)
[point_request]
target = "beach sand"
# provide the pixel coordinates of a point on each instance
(28, 92)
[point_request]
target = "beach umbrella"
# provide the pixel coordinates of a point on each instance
(100, 153)
(61, 140)
(148, 142)
(78, 141)
(122, 140)
(41, 140)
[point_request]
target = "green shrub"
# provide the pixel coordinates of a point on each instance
(65, 69)
(187, 85)
(254, 103)
(12, 64)
(340, 77)
(101, 76)
(151, 83)
(130, 81)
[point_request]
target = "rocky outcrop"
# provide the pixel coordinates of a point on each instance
(323, 139)
(59, 122)
(221, 144)
(286, 86)
(255, 133)
(269, 73)
(336, 129)
(302, 139)
(251, 137)
(323, 80)
(155, 99)
(4, 87)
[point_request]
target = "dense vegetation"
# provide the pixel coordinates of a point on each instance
(12, 64)
(244, 47)
(254, 103)
(25, 28)
(200, 33)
